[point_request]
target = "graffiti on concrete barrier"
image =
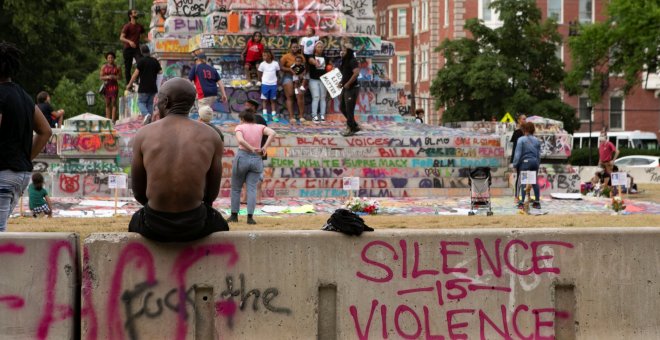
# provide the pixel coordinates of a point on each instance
(448, 282)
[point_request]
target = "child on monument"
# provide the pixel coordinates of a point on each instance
(39, 200)
(298, 73)
(268, 74)
(308, 42)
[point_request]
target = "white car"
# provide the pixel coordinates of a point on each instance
(638, 161)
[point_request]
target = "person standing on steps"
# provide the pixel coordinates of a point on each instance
(267, 72)
(252, 55)
(350, 69)
(110, 74)
(207, 81)
(148, 69)
(320, 65)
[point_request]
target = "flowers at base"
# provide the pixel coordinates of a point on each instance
(362, 205)
(618, 204)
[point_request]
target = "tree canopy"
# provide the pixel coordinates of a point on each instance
(625, 44)
(63, 43)
(513, 68)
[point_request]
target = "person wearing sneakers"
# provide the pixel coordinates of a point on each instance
(528, 158)
(350, 69)
(319, 66)
(292, 68)
(268, 74)
(248, 166)
(252, 54)
(307, 43)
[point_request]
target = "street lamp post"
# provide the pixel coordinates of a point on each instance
(91, 98)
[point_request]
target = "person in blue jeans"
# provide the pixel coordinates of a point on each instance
(528, 158)
(19, 117)
(147, 70)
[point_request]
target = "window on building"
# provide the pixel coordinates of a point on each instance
(401, 22)
(554, 10)
(584, 110)
(559, 52)
(401, 69)
(446, 15)
(425, 65)
(586, 11)
(382, 26)
(415, 19)
(616, 113)
(490, 16)
(425, 15)
(390, 31)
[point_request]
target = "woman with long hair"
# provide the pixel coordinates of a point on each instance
(109, 74)
(319, 65)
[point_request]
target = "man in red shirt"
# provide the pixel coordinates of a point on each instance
(607, 152)
(130, 36)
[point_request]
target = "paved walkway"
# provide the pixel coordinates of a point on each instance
(104, 207)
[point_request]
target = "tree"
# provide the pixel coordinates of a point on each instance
(626, 44)
(512, 68)
(49, 38)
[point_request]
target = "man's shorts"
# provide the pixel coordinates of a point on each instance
(177, 227)
(269, 92)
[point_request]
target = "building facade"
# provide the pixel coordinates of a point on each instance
(445, 19)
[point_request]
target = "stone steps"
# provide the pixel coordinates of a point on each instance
(391, 160)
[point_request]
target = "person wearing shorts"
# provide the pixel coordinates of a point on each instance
(268, 73)
(252, 54)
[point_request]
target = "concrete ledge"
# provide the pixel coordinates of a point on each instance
(584, 283)
(39, 286)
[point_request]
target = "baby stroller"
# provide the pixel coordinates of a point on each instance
(480, 181)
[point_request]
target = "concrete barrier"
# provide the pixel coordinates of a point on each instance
(39, 286)
(436, 284)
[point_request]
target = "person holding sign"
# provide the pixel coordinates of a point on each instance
(528, 158)
(174, 180)
(350, 69)
(319, 65)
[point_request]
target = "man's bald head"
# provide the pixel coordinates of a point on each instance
(176, 96)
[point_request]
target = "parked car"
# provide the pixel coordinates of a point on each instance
(638, 161)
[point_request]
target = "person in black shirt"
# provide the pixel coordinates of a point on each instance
(54, 118)
(350, 69)
(514, 139)
(148, 69)
(19, 117)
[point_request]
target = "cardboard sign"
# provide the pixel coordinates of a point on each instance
(528, 177)
(117, 181)
(331, 82)
(618, 178)
(351, 183)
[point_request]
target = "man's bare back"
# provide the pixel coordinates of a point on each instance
(177, 162)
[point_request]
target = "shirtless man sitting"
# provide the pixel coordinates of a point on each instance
(176, 171)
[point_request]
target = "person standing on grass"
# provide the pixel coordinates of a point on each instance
(248, 166)
(528, 158)
(39, 200)
(177, 205)
(268, 74)
(522, 119)
(607, 152)
(19, 118)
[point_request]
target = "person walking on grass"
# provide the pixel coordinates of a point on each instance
(19, 118)
(267, 71)
(248, 165)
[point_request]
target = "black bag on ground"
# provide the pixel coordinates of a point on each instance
(347, 222)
